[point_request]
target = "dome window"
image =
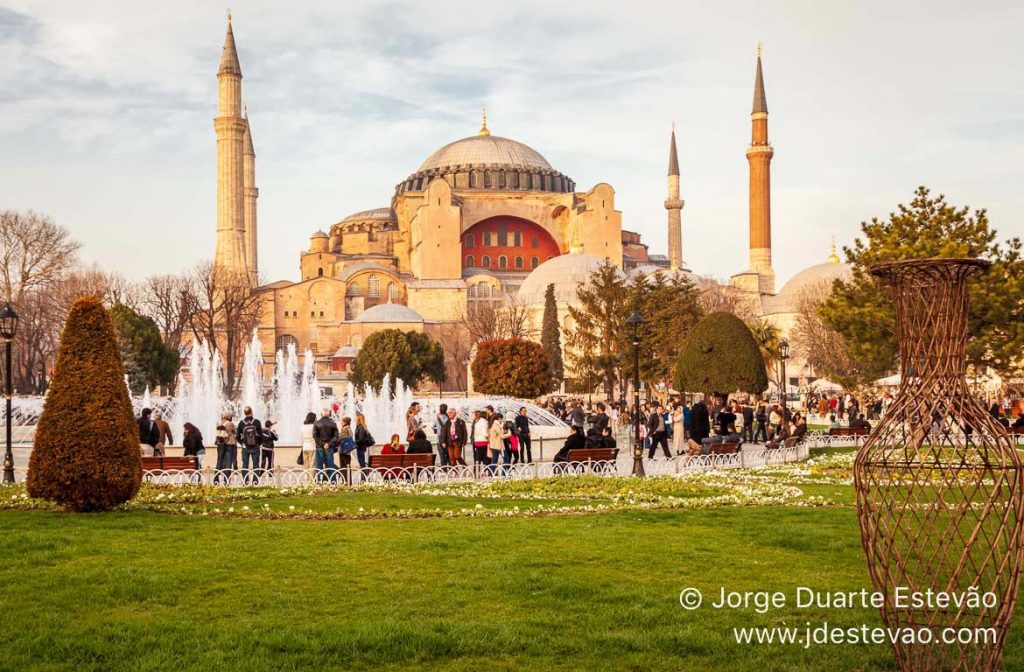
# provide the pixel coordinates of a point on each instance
(534, 262)
(485, 261)
(373, 290)
(469, 261)
(519, 262)
(503, 261)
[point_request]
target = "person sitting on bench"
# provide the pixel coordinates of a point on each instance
(419, 443)
(393, 448)
(860, 423)
(607, 439)
(574, 441)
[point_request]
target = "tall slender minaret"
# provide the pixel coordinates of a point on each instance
(759, 156)
(674, 205)
(230, 127)
(251, 193)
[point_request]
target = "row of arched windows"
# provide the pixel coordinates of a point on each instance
(482, 290)
(485, 262)
(373, 289)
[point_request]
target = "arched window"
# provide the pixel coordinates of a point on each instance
(392, 292)
(352, 290)
(373, 287)
(517, 238)
(320, 272)
(485, 261)
(534, 262)
(503, 261)
(470, 240)
(284, 340)
(471, 292)
(469, 261)
(519, 262)
(484, 291)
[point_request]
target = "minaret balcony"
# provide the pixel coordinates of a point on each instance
(674, 203)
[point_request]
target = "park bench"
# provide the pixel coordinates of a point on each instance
(162, 463)
(849, 431)
(392, 465)
(586, 458)
(725, 448)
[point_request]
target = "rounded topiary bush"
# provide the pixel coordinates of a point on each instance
(85, 455)
(514, 367)
(720, 355)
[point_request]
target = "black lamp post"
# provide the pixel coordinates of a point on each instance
(636, 322)
(8, 327)
(783, 356)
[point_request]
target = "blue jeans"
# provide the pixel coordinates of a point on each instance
(495, 458)
(361, 456)
(442, 453)
(325, 469)
(251, 454)
(226, 459)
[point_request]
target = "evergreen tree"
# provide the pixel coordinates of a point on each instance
(147, 360)
(551, 338)
(595, 341)
(721, 355)
(670, 308)
(410, 356)
(85, 455)
(862, 313)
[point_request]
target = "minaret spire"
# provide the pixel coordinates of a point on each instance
(230, 126)
(674, 206)
(759, 157)
(249, 196)
(483, 126)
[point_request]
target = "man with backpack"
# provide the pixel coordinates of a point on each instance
(249, 435)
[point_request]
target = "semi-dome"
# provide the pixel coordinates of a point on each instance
(485, 150)
(814, 278)
(376, 214)
(567, 272)
(389, 312)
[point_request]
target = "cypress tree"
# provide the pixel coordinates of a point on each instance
(551, 339)
(85, 455)
(720, 355)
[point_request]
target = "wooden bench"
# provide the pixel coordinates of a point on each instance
(593, 455)
(161, 463)
(849, 431)
(402, 461)
(725, 448)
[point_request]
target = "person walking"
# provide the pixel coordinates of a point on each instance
(267, 448)
(325, 435)
(164, 436)
(677, 429)
(441, 431)
(363, 440)
(656, 430)
(192, 442)
(227, 449)
(250, 436)
(496, 436)
(523, 432)
(149, 436)
(455, 438)
(307, 447)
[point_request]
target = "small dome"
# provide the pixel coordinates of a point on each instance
(567, 272)
(389, 312)
(819, 276)
(318, 234)
(346, 351)
(376, 214)
(486, 149)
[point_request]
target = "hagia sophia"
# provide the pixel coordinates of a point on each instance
(483, 218)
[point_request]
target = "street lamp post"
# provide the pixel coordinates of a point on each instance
(783, 356)
(8, 327)
(636, 322)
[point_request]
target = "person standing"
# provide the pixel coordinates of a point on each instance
(164, 436)
(496, 436)
(412, 420)
(656, 429)
(441, 431)
(677, 429)
(456, 438)
(346, 446)
(192, 442)
(480, 438)
(700, 424)
(267, 448)
(307, 443)
(577, 416)
(227, 449)
(250, 436)
(149, 436)
(747, 411)
(523, 431)
(363, 439)
(325, 435)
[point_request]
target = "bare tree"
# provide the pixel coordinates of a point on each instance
(166, 299)
(717, 296)
(456, 342)
(223, 309)
(508, 317)
(822, 348)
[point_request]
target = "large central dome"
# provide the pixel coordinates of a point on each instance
(486, 150)
(485, 161)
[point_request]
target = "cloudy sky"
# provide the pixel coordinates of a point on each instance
(106, 112)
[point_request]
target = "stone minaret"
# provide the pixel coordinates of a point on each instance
(674, 205)
(230, 127)
(759, 156)
(251, 193)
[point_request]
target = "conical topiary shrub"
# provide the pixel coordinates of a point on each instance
(85, 455)
(720, 355)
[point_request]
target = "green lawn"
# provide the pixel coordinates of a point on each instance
(277, 588)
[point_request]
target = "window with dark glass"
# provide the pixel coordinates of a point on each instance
(519, 262)
(470, 240)
(469, 261)
(502, 235)
(534, 262)
(502, 262)
(485, 261)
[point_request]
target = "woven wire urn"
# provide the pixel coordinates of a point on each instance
(940, 486)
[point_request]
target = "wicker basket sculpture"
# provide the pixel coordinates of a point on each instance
(940, 486)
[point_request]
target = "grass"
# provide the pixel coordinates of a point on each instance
(150, 590)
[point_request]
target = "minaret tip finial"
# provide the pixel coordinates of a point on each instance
(759, 45)
(483, 125)
(229, 15)
(673, 126)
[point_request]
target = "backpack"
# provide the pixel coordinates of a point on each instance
(249, 434)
